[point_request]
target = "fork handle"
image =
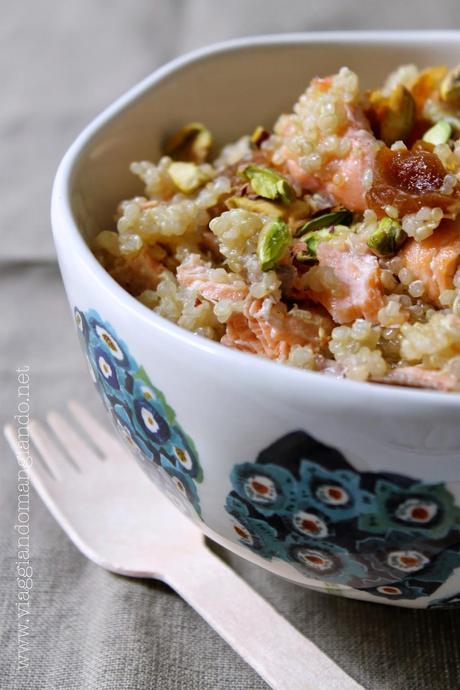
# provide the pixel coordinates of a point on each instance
(283, 657)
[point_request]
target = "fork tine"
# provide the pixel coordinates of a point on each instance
(39, 472)
(102, 439)
(80, 452)
(52, 461)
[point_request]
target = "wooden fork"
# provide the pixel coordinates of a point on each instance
(117, 518)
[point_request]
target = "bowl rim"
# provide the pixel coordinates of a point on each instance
(64, 224)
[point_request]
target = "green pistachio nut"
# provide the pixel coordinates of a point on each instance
(326, 220)
(312, 239)
(187, 176)
(387, 238)
(262, 206)
(440, 133)
(191, 143)
(269, 183)
(450, 85)
(273, 241)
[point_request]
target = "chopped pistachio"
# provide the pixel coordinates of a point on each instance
(450, 85)
(299, 209)
(312, 239)
(269, 183)
(187, 176)
(325, 220)
(394, 115)
(273, 241)
(266, 208)
(438, 134)
(258, 136)
(387, 238)
(191, 143)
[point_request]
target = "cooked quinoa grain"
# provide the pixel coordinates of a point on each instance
(331, 243)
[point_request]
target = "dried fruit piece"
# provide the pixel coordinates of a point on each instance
(273, 241)
(387, 238)
(191, 143)
(269, 183)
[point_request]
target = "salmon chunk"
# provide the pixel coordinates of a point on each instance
(142, 272)
(266, 327)
(358, 293)
(338, 150)
(418, 377)
(435, 260)
(214, 284)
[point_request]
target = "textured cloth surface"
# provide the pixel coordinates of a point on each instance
(60, 63)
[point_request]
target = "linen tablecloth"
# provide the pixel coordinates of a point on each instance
(60, 63)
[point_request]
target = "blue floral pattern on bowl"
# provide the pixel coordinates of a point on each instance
(387, 534)
(140, 412)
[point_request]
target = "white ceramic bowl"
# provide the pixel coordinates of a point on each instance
(345, 487)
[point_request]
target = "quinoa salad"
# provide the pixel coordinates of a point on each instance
(330, 243)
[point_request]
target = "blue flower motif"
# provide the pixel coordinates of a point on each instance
(150, 421)
(184, 485)
(419, 509)
(254, 533)
(398, 556)
(140, 412)
(135, 442)
(81, 323)
(388, 534)
(183, 451)
(322, 560)
(309, 522)
(396, 590)
(104, 336)
(105, 369)
(268, 488)
(335, 493)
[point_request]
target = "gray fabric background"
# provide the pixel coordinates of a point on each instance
(60, 63)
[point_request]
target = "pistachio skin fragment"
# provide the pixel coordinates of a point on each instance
(299, 209)
(387, 238)
(266, 208)
(450, 85)
(187, 176)
(312, 239)
(269, 183)
(258, 136)
(440, 133)
(191, 143)
(325, 220)
(393, 116)
(273, 241)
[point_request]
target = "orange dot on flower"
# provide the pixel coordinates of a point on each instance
(260, 488)
(420, 513)
(310, 525)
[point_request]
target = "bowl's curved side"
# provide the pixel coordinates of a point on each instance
(342, 486)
